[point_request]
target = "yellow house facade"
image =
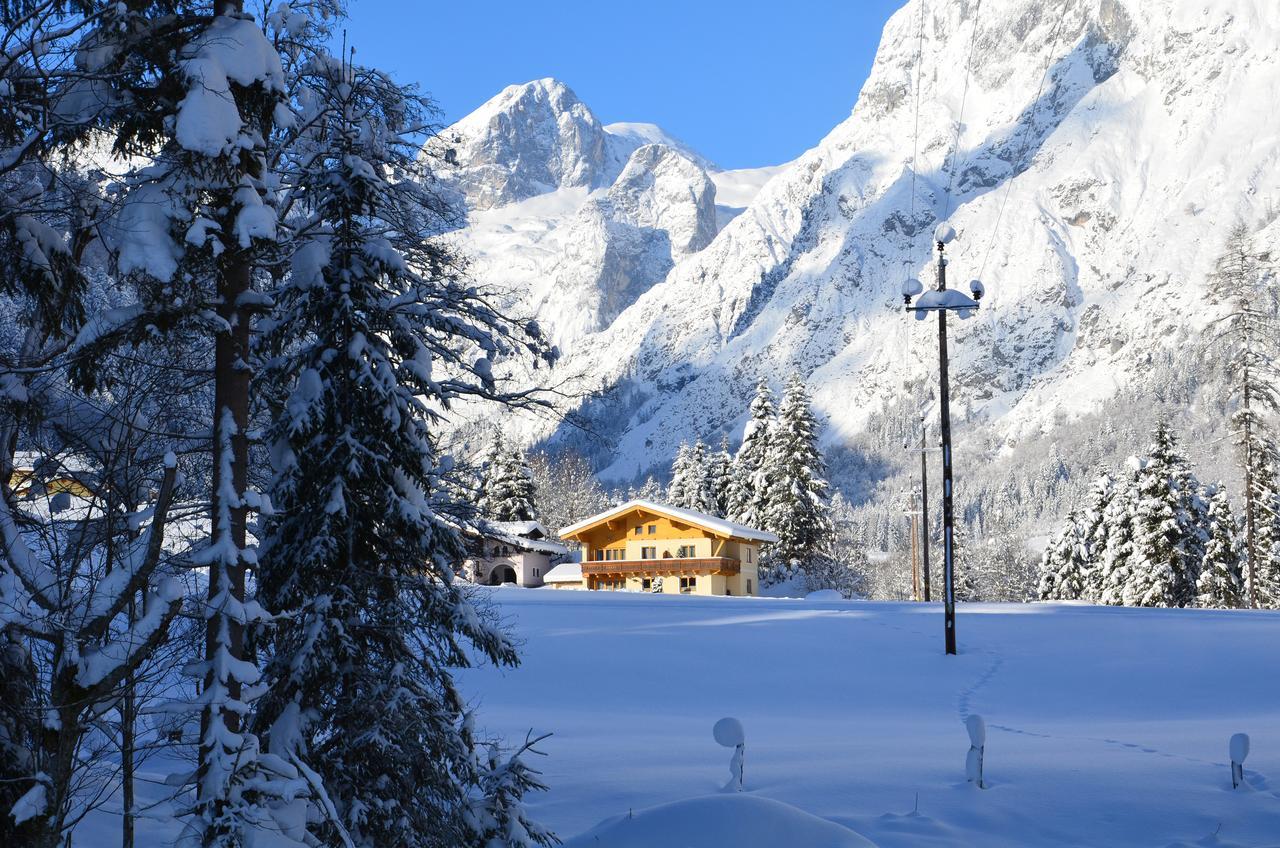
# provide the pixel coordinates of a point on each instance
(644, 546)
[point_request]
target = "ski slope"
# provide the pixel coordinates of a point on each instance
(1106, 726)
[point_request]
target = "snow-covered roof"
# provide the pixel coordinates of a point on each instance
(719, 526)
(565, 572)
(532, 529)
(525, 535)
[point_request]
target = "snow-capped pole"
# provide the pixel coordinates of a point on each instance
(1239, 749)
(977, 749)
(729, 733)
(943, 300)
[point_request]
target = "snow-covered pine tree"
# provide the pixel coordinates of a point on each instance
(748, 493)
(702, 482)
(1221, 583)
(490, 471)
(1116, 558)
(507, 490)
(722, 478)
(1093, 533)
(1170, 528)
(372, 334)
(679, 490)
(1063, 566)
(649, 490)
(1249, 336)
(1266, 502)
(199, 93)
(499, 816)
(798, 510)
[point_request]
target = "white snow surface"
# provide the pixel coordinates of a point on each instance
(1106, 726)
(739, 821)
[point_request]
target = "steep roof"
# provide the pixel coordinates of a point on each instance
(719, 526)
(526, 535)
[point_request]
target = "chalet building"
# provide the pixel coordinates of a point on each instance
(518, 552)
(645, 546)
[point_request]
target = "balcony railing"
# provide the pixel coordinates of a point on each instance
(664, 566)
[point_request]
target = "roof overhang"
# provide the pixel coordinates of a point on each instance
(614, 518)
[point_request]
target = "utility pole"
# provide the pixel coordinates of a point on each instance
(942, 300)
(913, 515)
(924, 507)
(944, 406)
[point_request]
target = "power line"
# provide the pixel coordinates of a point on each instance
(915, 135)
(1026, 143)
(964, 95)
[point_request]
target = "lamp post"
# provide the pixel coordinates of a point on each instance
(943, 300)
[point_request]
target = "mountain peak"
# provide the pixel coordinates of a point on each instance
(527, 140)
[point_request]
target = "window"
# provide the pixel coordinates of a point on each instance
(599, 555)
(614, 554)
(686, 551)
(646, 584)
(748, 555)
(688, 584)
(639, 529)
(649, 553)
(653, 528)
(748, 585)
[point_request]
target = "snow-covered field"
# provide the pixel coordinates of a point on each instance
(1106, 726)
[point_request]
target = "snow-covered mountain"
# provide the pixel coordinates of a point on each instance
(1092, 160)
(575, 218)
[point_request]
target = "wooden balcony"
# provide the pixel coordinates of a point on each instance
(666, 567)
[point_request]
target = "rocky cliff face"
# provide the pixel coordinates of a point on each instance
(1092, 163)
(576, 220)
(1103, 151)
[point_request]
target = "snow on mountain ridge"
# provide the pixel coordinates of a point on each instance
(575, 219)
(1122, 174)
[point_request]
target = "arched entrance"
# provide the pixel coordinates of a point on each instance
(502, 574)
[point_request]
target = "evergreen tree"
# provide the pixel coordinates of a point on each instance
(1247, 335)
(649, 490)
(679, 491)
(749, 491)
(1063, 566)
(722, 478)
(373, 335)
(507, 489)
(1093, 533)
(1170, 528)
(1221, 583)
(797, 510)
(1118, 555)
(1266, 503)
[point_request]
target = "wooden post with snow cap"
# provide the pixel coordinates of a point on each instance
(729, 733)
(977, 748)
(1239, 749)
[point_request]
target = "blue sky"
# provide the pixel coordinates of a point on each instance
(745, 83)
